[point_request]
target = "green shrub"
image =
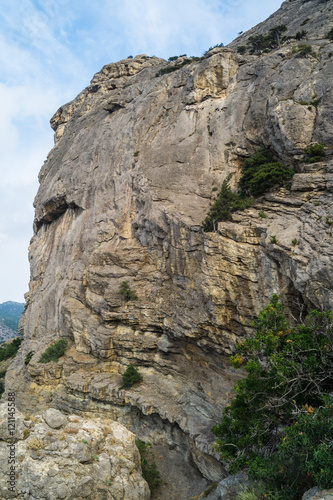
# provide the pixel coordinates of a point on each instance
(262, 214)
(218, 45)
(261, 172)
(280, 424)
(315, 152)
(273, 239)
(130, 377)
(28, 357)
(301, 34)
(54, 351)
(126, 291)
(303, 50)
(265, 43)
(10, 350)
(255, 493)
(148, 465)
(136, 154)
(225, 203)
(3, 374)
(241, 49)
(294, 242)
(170, 69)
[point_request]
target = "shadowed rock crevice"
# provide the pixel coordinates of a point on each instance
(53, 209)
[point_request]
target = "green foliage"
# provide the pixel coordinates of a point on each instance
(303, 50)
(130, 377)
(262, 214)
(54, 351)
(305, 21)
(28, 357)
(95, 458)
(148, 465)
(315, 152)
(273, 239)
(265, 43)
(304, 455)
(136, 154)
(241, 49)
(255, 493)
(170, 69)
(261, 172)
(280, 424)
(301, 34)
(126, 291)
(10, 350)
(3, 373)
(294, 242)
(218, 45)
(225, 203)
(329, 35)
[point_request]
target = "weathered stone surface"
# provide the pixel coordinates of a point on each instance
(231, 486)
(316, 494)
(122, 197)
(95, 459)
(54, 418)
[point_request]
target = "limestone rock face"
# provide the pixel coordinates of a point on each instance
(94, 459)
(122, 198)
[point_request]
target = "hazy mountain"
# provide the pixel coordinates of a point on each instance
(10, 313)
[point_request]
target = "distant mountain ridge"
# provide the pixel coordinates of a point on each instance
(10, 313)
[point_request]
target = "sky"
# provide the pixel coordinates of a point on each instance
(49, 52)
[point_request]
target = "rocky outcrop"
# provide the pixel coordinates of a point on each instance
(122, 198)
(61, 457)
(316, 494)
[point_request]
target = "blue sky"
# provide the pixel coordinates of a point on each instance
(49, 51)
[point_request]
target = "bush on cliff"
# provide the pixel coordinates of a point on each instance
(126, 291)
(260, 172)
(280, 424)
(131, 377)
(148, 465)
(10, 350)
(315, 152)
(226, 202)
(54, 351)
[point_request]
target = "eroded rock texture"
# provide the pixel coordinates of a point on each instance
(70, 458)
(122, 197)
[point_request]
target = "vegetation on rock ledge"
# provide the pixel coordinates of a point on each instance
(280, 424)
(260, 172)
(131, 377)
(148, 465)
(54, 351)
(126, 291)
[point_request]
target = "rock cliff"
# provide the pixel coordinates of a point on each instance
(122, 197)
